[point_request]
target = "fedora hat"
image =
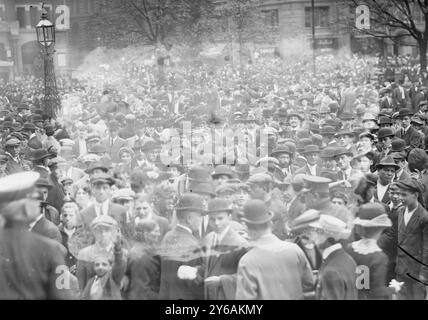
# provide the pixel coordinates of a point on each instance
(295, 114)
(256, 212)
(43, 182)
(203, 188)
(372, 215)
(219, 205)
(411, 185)
(404, 112)
(39, 154)
(311, 149)
(328, 153)
(384, 120)
(342, 151)
(385, 132)
(333, 226)
(387, 161)
(327, 131)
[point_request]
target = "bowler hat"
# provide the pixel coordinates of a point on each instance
(327, 131)
(328, 153)
(342, 151)
(399, 155)
(203, 188)
(190, 202)
(199, 174)
(398, 145)
(256, 212)
(219, 205)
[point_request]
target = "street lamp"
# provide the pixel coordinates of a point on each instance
(45, 31)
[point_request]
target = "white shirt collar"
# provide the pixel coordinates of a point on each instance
(221, 236)
(185, 228)
(104, 205)
(330, 250)
(69, 232)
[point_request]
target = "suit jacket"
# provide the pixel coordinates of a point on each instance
(13, 166)
(115, 210)
(337, 277)
(385, 198)
(36, 260)
(113, 150)
(404, 175)
(56, 194)
(413, 138)
(384, 104)
(48, 229)
(413, 238)
(273, 270)
(143, 271)
(180, 247)
(398, 99)
(222, 260)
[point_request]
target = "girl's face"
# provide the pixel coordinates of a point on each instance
(126, 158)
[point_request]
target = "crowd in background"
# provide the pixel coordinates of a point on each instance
(283, 184)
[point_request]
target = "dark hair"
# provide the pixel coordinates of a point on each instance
(367, 232)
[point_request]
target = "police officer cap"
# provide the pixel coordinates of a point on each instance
(17, 186)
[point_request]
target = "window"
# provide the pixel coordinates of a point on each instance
(321, 17)
(270, 17)
(20, 13)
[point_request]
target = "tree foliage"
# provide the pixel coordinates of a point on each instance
(153, 22)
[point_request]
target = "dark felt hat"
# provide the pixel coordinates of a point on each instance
(39, 154)
(404, 112)
(388, 161)
(190, 202)
(385, 132)
(256, 212)
(310, 149)
(219, 205)
(410, 185)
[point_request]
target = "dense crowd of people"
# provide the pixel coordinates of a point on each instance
(262, 182)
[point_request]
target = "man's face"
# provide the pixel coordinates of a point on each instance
(194, 221)
(294, 122)
(345, 140)
(126, 158)
(153, 236)
(338, 201)
(44, 191)
(395, 196)
(343, 162)
(101, 191)
(365, 142)
(365, 164)
(386, 174)
(114, 133)
(143, 209)
(408, 198)
(14, 150)
(284, 160)
(103, 235)
(220, 221)
(102, 266)
(329, 163)
(405, 122)
(152, 155)
(68, 217)
(257, 191)
(386, 142)
(312, 158)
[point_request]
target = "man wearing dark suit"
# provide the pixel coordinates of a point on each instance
(225, 247)
(113, 142)
(285, 167)
(400, 96)
(46, 228)
(410, 135)
(182, 263)
(337, 274)
(311, 153)
(413, 240)
(14, 163)
(387, 102)
(101, 190)
(386, 170)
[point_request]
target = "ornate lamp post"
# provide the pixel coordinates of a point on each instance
(46, 38)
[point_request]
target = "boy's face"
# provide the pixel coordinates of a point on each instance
(101, 266)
